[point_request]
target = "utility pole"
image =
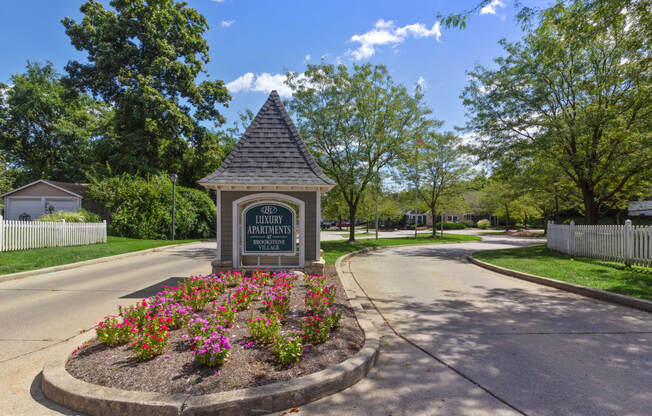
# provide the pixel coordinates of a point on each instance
(173, 178)
(416, 186)
(377, 196)
(556, 203)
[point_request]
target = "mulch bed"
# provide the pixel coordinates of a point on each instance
(245, 367)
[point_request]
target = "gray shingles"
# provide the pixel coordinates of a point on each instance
(271, 151)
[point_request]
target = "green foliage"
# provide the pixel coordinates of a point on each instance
(450, 226)
(351, 117)
(46, 130)
(288, 349)
(145, 58)
(80, 216)
(484, 224)
(142, 208)
(575, 93)
(468, 223)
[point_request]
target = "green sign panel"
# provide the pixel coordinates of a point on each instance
(269, 229)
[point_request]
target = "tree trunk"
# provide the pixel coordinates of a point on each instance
(352, 210)
(591, 208)
(339, 222)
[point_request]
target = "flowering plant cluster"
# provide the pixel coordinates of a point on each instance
(277, 302)
(146, 325)
(288, 349)
(212, 350)
(322, 316)
(224, 314)
(315, 329)
(264, 329)
(113, 331)
(153, 337)
(242, 297)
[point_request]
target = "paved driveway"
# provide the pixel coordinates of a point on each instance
(459, 339)
(41, 316)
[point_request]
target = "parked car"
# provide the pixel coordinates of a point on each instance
(325, 225)
(342, 224)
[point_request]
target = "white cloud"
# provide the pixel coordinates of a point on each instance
(307, 58)
(218, 1)
(264, 82)
(422, 82)
(242, 83)
(385, 32)
(491, 7)
(227, 23)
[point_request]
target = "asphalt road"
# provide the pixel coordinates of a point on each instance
(461, 340)
(41, 316)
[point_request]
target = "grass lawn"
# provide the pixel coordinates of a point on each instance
(598, 274)
(335, 249)
(22, 260)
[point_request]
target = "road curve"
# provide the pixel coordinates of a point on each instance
(460, 339)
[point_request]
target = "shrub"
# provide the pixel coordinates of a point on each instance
(141, 208)
(80, 216)
(288, 349)
(241, 298)
(469, 223)
(224, 314)
(484, 224)
(153, 338)
(213, 349)
(315, 329)
(137, 314)
(450, 226)
(113, 331)
(264, 329)
(277, 302)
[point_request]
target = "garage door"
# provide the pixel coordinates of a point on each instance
(30, 206)
(66, 204)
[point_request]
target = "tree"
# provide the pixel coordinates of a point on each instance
(575, 91)
(5, 177)
(144, 58)
(355, 123)
(441, 169)
(45, 129)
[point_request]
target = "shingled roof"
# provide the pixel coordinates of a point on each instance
(271, 152)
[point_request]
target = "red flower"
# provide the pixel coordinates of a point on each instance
(146, 346)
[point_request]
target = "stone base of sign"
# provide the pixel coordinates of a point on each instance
(315, 267)
(219, 266)
(311, 267)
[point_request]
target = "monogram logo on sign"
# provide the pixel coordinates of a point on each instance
(268, 210)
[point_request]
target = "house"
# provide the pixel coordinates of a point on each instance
(636, 208)
(420, 217)
(43, 196)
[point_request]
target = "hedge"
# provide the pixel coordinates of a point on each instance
(142, 208)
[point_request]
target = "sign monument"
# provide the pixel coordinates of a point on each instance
(269, 228)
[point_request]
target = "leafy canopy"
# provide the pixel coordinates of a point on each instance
(576, 92)
(144, 58)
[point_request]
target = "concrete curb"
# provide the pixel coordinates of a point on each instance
(59, 386)
(61, 267)
(623, 300)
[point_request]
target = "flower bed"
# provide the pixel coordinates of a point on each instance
(218, 333)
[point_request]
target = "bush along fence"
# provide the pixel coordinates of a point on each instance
(627, 244)
(23, 235)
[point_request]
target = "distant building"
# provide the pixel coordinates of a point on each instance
(634, 209)
(35, 199)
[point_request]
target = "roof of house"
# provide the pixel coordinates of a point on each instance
(76, 189)
(271, 152)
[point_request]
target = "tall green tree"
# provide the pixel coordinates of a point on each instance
(144, 58)
(354, 122)
(442, 170)
(577, 92)
(46, 130)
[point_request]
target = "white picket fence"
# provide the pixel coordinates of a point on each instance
(627, 243)
(23, 235)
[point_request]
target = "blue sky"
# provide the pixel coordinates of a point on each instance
(253, 42)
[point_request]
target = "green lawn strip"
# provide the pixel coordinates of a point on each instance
(334, 249)
(597, 274)
(38, 258)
